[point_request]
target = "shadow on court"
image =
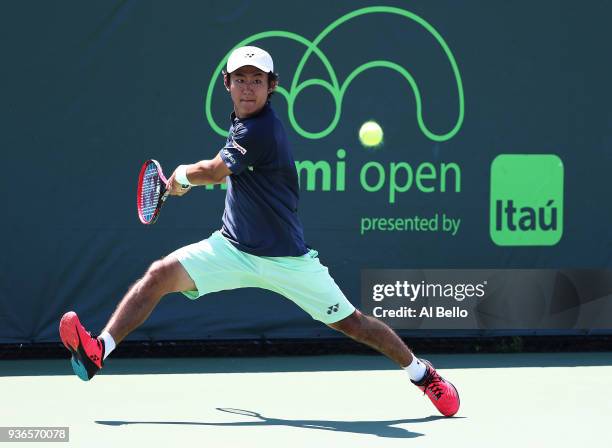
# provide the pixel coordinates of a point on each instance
(380, 428)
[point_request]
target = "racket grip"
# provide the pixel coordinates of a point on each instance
(167, 193)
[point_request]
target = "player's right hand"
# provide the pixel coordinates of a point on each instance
(174, 188)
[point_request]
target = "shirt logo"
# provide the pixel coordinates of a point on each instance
(238, 147)
(229, 156)
(238, 132)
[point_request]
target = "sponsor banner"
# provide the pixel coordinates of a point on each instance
(489, 299)
(424, 134)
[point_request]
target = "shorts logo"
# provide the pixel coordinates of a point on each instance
(333, 308)
(526, 205)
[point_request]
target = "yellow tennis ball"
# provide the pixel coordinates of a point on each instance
(370, 134)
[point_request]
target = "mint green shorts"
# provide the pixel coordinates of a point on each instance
(214, 264)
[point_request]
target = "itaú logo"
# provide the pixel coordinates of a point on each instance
(526, 206)
(337, 88)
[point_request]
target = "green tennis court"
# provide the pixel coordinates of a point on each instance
(537, 400)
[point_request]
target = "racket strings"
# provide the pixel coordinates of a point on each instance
(151, 190)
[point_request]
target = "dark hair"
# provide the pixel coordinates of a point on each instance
(272, 77)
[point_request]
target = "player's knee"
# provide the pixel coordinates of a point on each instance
(156, 278)
(351, 325)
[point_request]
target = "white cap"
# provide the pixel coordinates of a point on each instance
(250, 56)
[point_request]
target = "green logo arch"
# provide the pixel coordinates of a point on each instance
(333, 86)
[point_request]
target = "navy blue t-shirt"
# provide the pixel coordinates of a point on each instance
(262, 197)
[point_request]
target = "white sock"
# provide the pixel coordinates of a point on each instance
(416, 369)
(109, 343)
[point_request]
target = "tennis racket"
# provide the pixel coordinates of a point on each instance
(152, 191)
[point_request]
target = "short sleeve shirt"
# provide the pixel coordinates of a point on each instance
(261, 203)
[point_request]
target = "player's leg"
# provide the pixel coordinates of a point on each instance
(88, 353)
(305, 281)
(376, 334)
(195, 270)
(162, 277)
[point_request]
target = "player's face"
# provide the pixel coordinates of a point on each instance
(249, 90)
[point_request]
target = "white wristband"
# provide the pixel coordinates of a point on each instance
(181, 175)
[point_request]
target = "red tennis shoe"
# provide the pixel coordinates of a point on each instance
(441, 392)
(87, 352)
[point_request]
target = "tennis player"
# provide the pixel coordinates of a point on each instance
(260, 244)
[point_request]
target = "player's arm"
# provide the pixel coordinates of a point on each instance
(208, 172)
(204, 172)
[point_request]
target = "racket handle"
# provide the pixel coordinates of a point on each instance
(167, 193)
